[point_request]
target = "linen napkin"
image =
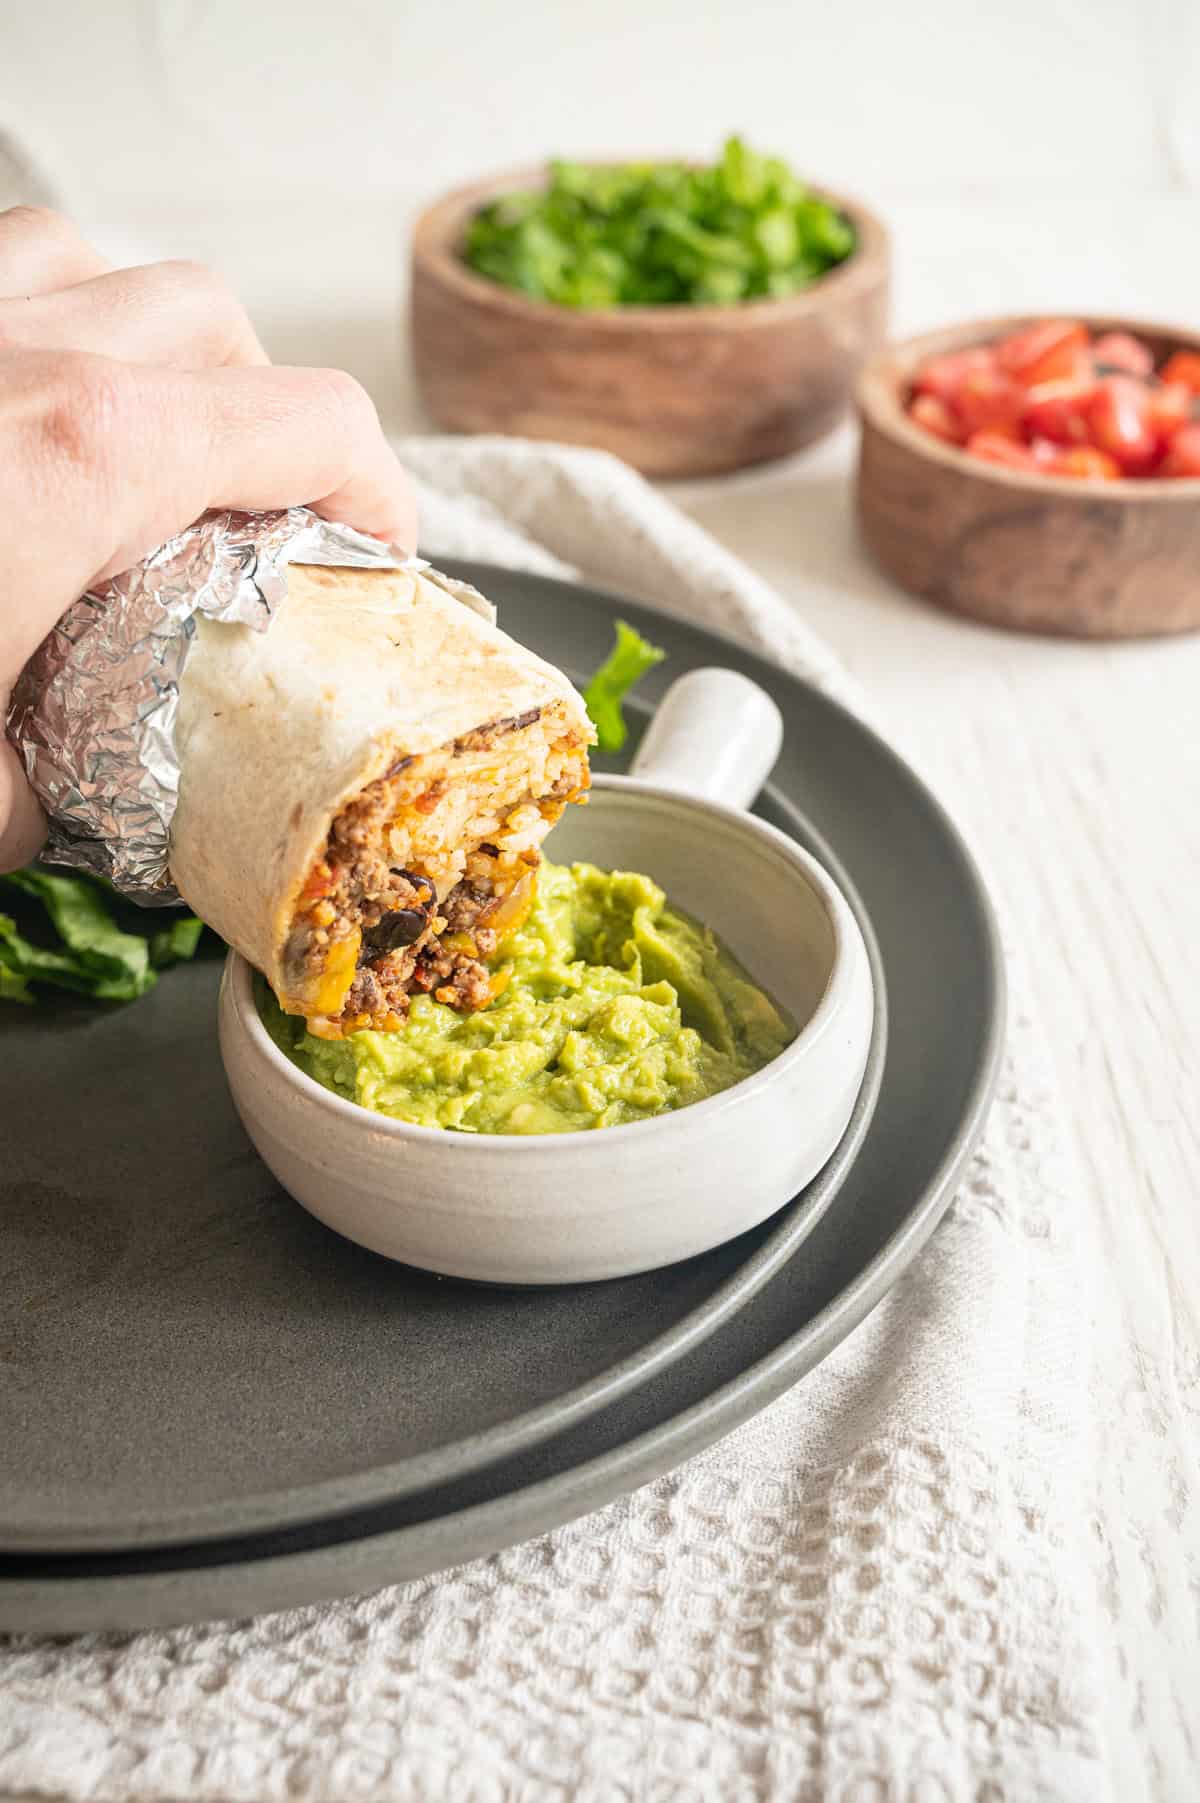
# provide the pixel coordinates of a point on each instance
(926, 1575)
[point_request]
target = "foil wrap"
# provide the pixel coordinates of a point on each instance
(92, 714)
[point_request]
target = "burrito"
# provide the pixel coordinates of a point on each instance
(363, 790)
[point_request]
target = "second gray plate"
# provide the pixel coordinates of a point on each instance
(188, 1354)
(945, 1001)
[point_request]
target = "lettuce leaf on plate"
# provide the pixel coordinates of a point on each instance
(624, 666)
(78, 945)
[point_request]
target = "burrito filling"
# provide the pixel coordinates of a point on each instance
(618, 1008)
(427, 871)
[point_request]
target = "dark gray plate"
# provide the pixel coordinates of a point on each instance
(945, 999)
(188, 1355)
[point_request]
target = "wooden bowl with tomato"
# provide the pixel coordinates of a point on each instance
(1040, 474)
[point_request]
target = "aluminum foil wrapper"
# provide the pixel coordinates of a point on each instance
(93, 712)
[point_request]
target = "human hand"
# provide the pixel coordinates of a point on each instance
(131, 401)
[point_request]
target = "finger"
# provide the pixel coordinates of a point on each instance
(22, 823)
(109, 459)
(40, 250)
(286, 437)
(179, 314)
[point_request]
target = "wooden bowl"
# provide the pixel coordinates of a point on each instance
(1039, 553)
(675, 390)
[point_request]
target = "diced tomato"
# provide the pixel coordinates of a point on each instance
(943, 376)
(1119, 422)
(994, 447)
(987, 400)
(1183, 453)
(1122, 351)
(1170, 405)
(1183, 366)
(1057, 350)
(1058, 411)
(318, 883)
(933, 414)
(1086, 461)
(1050, 398)
(1006, 428)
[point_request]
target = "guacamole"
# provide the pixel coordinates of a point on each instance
(616, 1008)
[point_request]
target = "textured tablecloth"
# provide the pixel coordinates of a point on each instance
(894, 1586)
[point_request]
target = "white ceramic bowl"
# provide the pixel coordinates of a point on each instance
(572, 1207)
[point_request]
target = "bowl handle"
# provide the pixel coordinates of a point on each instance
(715, 734)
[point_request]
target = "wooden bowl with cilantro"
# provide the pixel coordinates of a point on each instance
(691, 319)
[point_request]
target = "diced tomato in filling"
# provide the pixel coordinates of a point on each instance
(318, 883)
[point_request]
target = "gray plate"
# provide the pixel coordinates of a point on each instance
(944, 986)
(188, 1355)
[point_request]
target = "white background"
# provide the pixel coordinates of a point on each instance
(192, 101)
(291, 144)
(1034, 153)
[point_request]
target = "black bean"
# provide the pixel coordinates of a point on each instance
(420, 884)
(403, 926)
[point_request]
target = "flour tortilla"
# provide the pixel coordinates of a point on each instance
(278, 730)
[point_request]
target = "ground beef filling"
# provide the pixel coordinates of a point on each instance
(358, 909)
(411, 943)
(406, 951)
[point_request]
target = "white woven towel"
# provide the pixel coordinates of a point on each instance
(906, 1582)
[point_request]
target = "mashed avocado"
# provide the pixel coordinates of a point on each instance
(617, 1008)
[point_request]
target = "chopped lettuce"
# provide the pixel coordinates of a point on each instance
(78, 945)
(12, 987)
(177, 943)
(625, 665)
(661, 234)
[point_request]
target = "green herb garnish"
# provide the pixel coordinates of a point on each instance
(625, 665)
(661, 234)
(78, 944)
(177, 943)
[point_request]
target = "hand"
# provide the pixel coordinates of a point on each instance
(132, 400)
